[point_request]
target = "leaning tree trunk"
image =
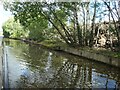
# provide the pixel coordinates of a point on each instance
(115, 23)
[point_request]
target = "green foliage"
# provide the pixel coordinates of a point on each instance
(29, 16)
(36, 29)
(30, 12)
(53, 43)
(13, 29)
(74, 22)
(6, 34)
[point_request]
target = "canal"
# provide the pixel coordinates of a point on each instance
(32, 66)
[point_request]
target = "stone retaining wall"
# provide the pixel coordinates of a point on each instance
(94, 56)
(87, 54)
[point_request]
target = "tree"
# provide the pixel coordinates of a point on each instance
(13, 29)
(114, 15)
(75, 22)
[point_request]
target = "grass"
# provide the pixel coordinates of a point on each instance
(108, 53)
(102, 51)
(53, 43)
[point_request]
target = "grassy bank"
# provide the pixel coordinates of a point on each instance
(58, 45)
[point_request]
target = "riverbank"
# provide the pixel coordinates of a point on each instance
(101, 55)
(33, 66)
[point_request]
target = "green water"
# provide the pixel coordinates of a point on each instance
(31, 66)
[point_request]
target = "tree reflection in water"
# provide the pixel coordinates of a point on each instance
(69, 75)
(49, 69)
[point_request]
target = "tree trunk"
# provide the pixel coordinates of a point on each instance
(63, 26)
(48, 18)
(79, 34)
(93, 26)
(115, 23)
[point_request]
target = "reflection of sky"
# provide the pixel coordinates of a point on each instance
(13, 65)
(4, 15)
(52, 75)
(99, 81)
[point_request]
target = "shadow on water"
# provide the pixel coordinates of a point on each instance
(31, 66)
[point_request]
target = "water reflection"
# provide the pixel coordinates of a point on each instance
(41, 68)
(49, 61)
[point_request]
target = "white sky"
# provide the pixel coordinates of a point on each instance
(4, 15)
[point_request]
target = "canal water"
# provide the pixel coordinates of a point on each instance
(32, 66)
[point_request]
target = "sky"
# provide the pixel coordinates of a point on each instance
(4, 15)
